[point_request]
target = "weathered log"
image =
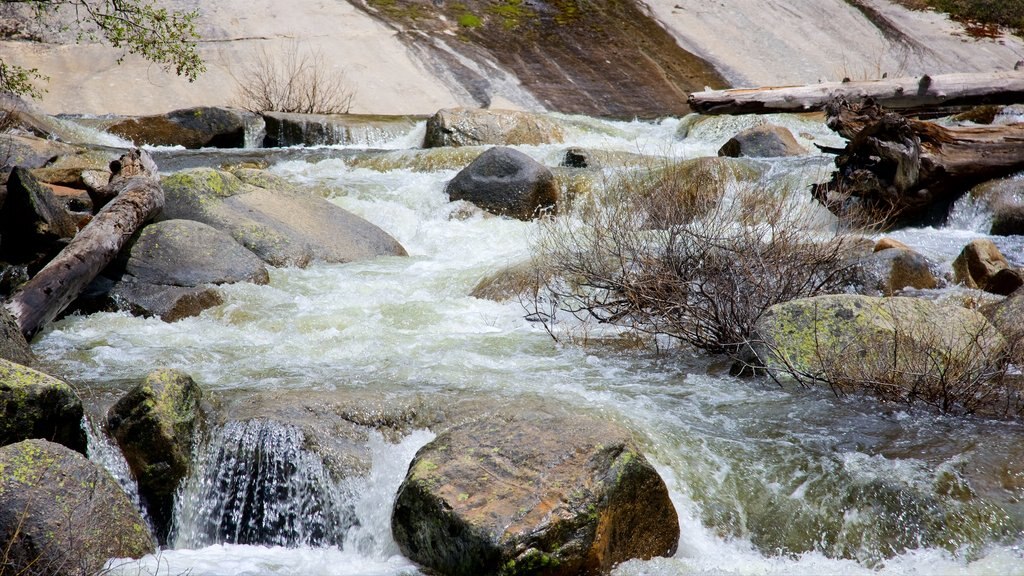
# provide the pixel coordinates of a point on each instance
(897, 170)
(138, 198)
(904, 94)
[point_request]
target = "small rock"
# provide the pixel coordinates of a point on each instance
(893, 269)
(886, 243)
(978, 263)
(767, 141)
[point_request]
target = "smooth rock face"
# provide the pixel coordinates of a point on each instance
(506, 182)
(282, 226)
(63, 515)
(154, 424)
(202, 127)
(765, 141)
(37, 405)
(471, 127)
(532, 494)
(848, 340)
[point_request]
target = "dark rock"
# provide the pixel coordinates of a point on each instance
(532, 494)
(1005, 282)
(764, 141)
(472, 127)
(978, 263)
(63, 515)
(893, 269)
(282, 225)
(36, 405)
(155, 425)
(169, 303)
(13, 345)
(286, 129)
(202, 127)
(35, 224)
(506, 182)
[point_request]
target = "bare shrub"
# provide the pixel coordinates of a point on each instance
(697, 257)
(293, 80)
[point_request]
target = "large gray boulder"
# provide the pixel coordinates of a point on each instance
(900, 349)
(201, 127)
(766, 141)
(283, 225)
(63, 515)
(475, 127)
(532, 493)
(155, 424)
(506, 182)
(37, 405)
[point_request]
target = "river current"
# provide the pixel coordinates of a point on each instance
(765, 480)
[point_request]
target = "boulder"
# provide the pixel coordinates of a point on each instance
(30, 151)
(893, 269)
(475, 127)
(63, 515)
(35, 223)
(1003, 197)
(1005, 282)
(900, 349)
(506, 182)
(13, 345)
(155, 425)
(978, 263)
(37, 405)
(766, 141)
(289, 129)
(201, 127)
(282, 225)
(532, 493)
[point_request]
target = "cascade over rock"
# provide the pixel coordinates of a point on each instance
(532, 493)
(63, 515)
(289, 129)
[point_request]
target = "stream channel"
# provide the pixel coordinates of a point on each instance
(765, 480)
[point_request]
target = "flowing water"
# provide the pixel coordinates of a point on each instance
(765, 480)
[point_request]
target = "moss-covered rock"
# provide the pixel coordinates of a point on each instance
(474, 127)
(284, 227)
(532, 493)
(63, 515)
(901, 349)
(37, 405)
(155, 424)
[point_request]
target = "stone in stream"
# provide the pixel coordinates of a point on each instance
(473, 127)
(532, 493)
(37, 405)
(280, 223)
(155, 423)
(63, 515)
(506, 182)
(766, 141)
(891, 270)
(981, 265)
(200, 127)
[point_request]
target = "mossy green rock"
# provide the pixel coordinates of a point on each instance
(915, 346)
(283, 226)
(37, 405)
(63, 515)
(155, 424)
(532, 493)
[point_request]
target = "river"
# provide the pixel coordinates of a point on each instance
(765, 480)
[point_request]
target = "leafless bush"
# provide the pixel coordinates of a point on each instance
(295, 79)
(697, 257)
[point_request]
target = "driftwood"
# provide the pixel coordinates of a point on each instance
(138, 197)
(904, 94)
(897, 170)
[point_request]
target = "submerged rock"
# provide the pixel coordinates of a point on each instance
(37, 405)
(201, 127)
(532, 494)
(507, 182)
(900, 349)
(766, 141)
(283, 226)
(472, 127)
(63, 515)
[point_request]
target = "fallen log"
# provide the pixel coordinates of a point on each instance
(897, 171)
(909, 95)
(138, 197)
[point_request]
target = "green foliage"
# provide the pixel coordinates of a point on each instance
(469, 20)
(166, 37)
(512, 12)
(979, 14)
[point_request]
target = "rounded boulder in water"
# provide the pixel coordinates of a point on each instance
(506, 182)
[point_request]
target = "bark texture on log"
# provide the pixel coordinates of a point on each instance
(897, 170)
(904, 94)
(138, 198)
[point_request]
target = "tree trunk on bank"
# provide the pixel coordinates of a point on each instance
(897, 170)
(138, 197)
(908, 95)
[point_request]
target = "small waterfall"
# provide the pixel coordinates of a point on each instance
(256, 483)
(255, 131)
(103, 452)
